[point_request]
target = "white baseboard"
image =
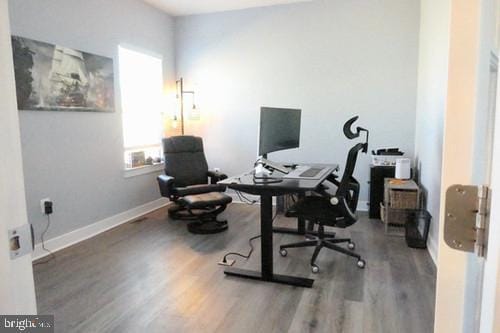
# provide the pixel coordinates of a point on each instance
(78, 235)
(432, 249)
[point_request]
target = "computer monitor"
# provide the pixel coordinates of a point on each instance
(279, 129)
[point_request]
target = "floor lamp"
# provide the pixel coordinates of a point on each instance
(180, 92)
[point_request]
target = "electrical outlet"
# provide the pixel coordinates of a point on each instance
(42, 204)
(228, 262)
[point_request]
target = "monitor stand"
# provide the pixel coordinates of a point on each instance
(261, 172)
(272, 165)
(261, 175)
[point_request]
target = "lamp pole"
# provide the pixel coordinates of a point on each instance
(181, 96)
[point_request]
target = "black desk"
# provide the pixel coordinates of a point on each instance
(245, 183)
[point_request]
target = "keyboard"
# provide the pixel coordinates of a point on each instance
(311, 172)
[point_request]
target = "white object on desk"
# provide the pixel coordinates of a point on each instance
(260, 171)
(403, 168)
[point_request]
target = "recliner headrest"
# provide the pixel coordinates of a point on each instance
(182, 144)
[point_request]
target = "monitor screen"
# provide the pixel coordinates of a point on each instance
(279, 129)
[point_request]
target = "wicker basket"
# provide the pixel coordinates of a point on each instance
(397, 216)
(402, 199)
(394, 216)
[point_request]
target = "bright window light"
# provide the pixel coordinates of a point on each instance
(141, 81)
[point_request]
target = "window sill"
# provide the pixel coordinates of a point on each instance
(143, 170)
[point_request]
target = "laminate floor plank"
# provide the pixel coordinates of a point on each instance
(152, 275)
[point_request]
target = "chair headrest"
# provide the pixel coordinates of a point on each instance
(350, 134)
(347, 128)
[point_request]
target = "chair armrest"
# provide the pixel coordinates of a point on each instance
(322, 190)
(166, 184)
(333, 178)
(215, 176)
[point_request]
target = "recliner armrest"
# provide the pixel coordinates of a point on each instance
(215, 176)
(166, 184)
(199, 189)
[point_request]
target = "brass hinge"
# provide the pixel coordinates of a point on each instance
(466, 218)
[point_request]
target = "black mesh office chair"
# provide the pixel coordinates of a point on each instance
(186, 184)
(338, 210)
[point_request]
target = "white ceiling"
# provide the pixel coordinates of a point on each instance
(189, 7)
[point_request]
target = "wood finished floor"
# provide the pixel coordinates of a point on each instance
(153, 276)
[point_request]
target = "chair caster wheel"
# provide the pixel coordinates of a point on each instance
(361, 263)
(351, 245)
(314, 269)
(283, 252)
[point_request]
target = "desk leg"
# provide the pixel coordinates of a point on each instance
(266, 231)
(266, 273)
(301, 225)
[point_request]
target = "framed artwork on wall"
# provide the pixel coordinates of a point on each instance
(57, 78)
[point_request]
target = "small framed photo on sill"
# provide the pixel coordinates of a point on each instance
(138, 159)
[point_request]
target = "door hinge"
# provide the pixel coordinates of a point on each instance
(467, 217)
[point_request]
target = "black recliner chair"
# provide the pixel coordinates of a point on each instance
(185, 183)
(338, 210)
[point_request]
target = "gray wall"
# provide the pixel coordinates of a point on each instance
(76, 159)
(431, 105)
(332, 58)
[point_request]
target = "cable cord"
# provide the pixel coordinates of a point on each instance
(245, 199)
(224, 259)
(42, 237)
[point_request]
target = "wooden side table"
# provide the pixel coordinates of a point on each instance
(401, 197)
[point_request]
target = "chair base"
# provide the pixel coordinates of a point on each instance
(178, 212)
(277, 278)
(320, 241)
(207, 227)
(204, 221)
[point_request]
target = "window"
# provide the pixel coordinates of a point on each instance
(141, 82)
